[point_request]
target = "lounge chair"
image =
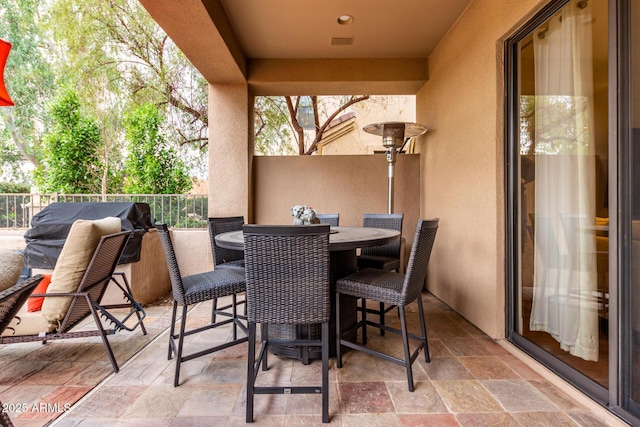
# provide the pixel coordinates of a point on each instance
(67, 309)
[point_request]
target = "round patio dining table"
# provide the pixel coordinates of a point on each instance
(343, 243)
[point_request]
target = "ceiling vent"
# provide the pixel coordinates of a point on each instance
(341, 41)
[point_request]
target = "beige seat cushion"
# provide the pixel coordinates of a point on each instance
(10, 268)
(72, 263)
(26, 323)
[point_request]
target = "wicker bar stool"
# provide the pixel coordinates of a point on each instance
(330, 219)
(194, 289)
(384, 257)
(396, 289)
(287, 276)
(226, 258)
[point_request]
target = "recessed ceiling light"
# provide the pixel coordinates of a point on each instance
(345, 19)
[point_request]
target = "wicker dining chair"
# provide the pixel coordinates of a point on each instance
(330, 219)
(193, 289)
(287, 275)
(222, 257)
(396, 289)
(384, 257)
(226, 258)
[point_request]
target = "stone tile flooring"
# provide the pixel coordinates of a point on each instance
(471, 381)
(39, 382)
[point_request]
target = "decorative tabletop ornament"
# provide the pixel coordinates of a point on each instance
(303, 215)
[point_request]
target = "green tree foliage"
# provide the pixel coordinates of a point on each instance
(272, 130)
(10, 187)
(152, 167)
(70, 163)
(30, 81)
(115, 46)
(116, 57)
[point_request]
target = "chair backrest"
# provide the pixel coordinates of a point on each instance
(419, 259)
(222, 225)
(388, 221)
(172, 263)
(287, 273)
(96, 277)
(330, 219)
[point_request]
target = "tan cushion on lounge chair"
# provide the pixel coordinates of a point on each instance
(26, 323)
(72, 263)
(10, 268)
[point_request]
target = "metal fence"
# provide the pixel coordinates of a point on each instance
(177, 210)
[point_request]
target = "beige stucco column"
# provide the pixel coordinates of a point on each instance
(230, 150)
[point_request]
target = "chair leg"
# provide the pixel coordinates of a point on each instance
(251, 358)
(338, 333)
(424, 330)
(382, 313)
(405, 345)
(264, 338)
(303, 332)
(234, 310)
(325, 372)
(103, 335)
(364, 321)
(214, 308)
(183, 324)
(172, 329)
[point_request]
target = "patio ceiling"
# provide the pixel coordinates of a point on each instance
(285, 43)
(305, 28)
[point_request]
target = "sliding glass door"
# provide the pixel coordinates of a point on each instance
(562, 292)
(630, 112)
(573, 196)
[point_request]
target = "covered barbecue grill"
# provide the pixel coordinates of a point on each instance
(50, 227)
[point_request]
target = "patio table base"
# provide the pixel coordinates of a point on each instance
(342, 264)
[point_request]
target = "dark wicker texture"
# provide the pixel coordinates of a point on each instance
(196, 288)
(86, 300)
(329, 219)
(287, 275)
(384, 257)
(396, 289)
(5, 421)
(223, 257)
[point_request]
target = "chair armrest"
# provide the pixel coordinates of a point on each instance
(24, 286)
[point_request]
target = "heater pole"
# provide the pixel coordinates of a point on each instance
(391, 160)
(393, 139)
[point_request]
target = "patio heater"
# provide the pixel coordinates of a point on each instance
(394, 137)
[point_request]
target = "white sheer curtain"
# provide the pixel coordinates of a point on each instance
(565, 264)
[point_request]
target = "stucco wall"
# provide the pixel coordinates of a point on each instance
(348, 185)
(462, 161)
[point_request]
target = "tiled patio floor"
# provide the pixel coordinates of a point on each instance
(38, 382)
(471, 381)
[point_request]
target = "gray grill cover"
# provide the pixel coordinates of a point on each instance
(50, 227)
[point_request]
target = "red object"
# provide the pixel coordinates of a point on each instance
(35, 304)
(5, 99)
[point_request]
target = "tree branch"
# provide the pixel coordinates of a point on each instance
(8, 118)
(294, 121)
(320, 131)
